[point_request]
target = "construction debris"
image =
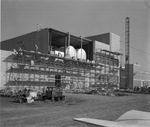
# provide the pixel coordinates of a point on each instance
(27, 95)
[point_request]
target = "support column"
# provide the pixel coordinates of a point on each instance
(50, 41)
(81, 48)
(65, 45)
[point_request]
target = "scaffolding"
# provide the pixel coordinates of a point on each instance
(29, 68)
(109, 66)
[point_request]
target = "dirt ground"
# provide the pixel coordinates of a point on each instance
(61, 114)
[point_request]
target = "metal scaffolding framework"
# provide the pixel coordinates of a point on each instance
(110, 66)
(29, 68)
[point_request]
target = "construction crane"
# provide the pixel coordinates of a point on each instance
(127, 51)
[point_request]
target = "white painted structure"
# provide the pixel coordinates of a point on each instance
(140, 78)
(115, 43)
(3, 55)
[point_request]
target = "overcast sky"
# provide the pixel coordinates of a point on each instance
(82, 18)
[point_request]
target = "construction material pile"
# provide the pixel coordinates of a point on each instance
(27, 95)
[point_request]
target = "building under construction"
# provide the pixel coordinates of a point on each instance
(48, 57)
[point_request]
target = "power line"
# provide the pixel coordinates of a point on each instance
(140, 50)
(137, 49)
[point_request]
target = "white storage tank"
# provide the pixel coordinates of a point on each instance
(71, 52)
(81, 54)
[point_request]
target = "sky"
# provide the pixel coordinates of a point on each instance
(82, 18)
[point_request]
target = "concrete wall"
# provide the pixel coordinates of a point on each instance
(114, 43)
(100, 45)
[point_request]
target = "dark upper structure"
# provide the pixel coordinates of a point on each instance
(48, 39)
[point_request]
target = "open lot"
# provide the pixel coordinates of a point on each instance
(61, 114)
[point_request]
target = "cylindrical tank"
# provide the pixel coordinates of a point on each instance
(70, 52)
(81, 54)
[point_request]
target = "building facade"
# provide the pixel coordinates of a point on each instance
(36, 62)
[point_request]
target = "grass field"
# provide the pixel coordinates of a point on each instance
(61, 114)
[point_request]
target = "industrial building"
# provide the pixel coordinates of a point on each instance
(48, 57)
(123, 72)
